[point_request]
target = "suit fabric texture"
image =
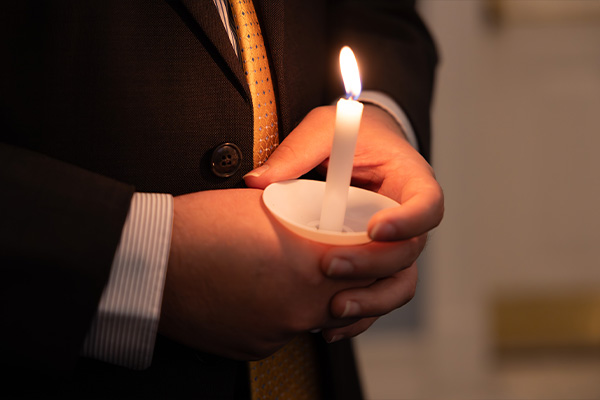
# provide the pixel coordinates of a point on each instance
(103, 98)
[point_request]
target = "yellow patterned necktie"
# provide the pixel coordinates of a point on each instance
(252, 51)
(291, 373)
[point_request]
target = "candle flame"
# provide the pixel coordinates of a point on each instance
(350, 73)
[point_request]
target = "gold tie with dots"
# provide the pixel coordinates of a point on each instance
(256, 67)
(291, 373)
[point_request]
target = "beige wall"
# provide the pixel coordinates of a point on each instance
(517, 132)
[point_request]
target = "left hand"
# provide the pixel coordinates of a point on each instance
(386, 163)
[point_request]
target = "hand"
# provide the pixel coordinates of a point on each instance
(385, 163)
(238, 284)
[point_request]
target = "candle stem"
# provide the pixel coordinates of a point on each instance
(341, 160)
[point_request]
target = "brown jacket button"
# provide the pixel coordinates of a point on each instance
(226, 160)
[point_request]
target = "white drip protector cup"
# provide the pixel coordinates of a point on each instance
(297, 205)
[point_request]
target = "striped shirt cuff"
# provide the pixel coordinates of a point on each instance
(385, 102)
(124, 329)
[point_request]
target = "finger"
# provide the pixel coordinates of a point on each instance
(355, 329)
(421, 210)
(337, 323)
(373, 260)
(304, 148)
(378, 299)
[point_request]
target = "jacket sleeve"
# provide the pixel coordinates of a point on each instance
(60, 230)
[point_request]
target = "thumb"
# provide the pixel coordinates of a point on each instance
(298, 154)
(285, 163)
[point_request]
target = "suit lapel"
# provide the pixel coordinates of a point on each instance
(204, 20)
(202, 16)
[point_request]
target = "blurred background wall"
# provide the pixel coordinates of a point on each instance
(508, 305)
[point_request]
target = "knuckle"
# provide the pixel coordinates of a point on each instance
(303, 319)
(414, 250)
(287, 151)
(439, 204)
(375, 308)
(310, 278)
(410, 294)
(408, 289)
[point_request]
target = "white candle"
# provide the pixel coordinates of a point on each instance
(347, 123)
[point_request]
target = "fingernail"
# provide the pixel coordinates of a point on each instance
(383, 231)
(315, 330)
(257, 172)
(335, 338)
(339, 266)
(352, 309)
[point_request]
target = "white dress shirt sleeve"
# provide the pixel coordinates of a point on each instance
(385, 102)
(125, 327)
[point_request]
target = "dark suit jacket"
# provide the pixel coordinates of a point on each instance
(102, 98)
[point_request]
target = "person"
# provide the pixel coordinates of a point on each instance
(112, 116)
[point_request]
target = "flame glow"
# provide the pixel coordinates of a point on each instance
(350, 73)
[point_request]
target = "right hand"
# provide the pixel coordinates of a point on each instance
(238, 283)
